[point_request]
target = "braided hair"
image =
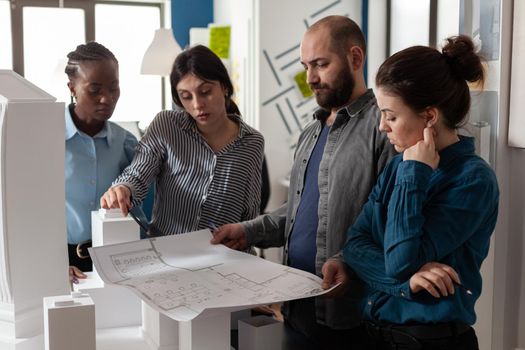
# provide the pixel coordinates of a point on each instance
(91, 51)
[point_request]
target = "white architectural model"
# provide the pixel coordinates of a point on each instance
(32, 212)
(116, 306)
(69, 322)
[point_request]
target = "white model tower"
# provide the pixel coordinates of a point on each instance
(33, 255)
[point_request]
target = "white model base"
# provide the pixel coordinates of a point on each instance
(203, 333)
(260, 333)
(116, 305)
(69, 322)
(158, 330)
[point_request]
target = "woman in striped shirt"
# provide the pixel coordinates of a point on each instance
(205, 160)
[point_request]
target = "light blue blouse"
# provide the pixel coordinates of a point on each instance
(91, 164)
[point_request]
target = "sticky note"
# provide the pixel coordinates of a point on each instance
(220, 41)
(300, 80)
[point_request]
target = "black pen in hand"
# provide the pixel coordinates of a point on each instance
(462, 287)
(138, 221)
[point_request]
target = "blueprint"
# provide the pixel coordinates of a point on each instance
(184, 275)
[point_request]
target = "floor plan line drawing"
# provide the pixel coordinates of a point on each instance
(184, 275)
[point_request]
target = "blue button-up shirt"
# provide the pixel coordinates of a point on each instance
(415, 215)
(91, 164)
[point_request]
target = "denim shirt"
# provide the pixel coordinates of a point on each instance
(416, 215)
(354, 155)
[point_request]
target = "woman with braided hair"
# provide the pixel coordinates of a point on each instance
(96, 150)
(419, 241)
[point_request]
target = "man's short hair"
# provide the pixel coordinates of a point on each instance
(344, 33)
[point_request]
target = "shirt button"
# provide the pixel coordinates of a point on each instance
(92, 182)
(211, 177)
(204, 197)
(402, 293)
(304, 161)
(369, 302)
(298, 192)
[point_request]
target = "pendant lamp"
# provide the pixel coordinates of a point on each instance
(161, 53)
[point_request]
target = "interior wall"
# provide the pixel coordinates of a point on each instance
(510, 162)
(517, 232)
(283, 111)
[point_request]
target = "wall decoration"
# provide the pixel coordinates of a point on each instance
(292, 100)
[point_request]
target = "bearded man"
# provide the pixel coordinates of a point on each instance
(338, 158)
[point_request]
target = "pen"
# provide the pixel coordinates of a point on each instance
(465, 289)
(138, 221)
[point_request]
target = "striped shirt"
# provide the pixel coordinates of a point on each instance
(196, 188)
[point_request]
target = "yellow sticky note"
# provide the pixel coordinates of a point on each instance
(300, 80)
(220, 41)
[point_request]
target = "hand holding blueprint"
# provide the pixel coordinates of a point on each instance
(183, 275)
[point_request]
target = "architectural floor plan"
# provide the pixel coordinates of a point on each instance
(184, 275)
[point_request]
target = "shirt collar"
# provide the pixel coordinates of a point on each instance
(71, 128)
(188, 123)
(465, 146)
(351, 110)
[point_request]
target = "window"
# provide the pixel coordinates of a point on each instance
(45, 50)
(50, 32)
(447, 19)
(140, 95)
(410, 21)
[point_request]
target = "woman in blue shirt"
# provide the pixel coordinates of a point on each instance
(420, 239)
(96, 150)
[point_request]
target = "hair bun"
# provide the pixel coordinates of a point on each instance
(464, 62)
